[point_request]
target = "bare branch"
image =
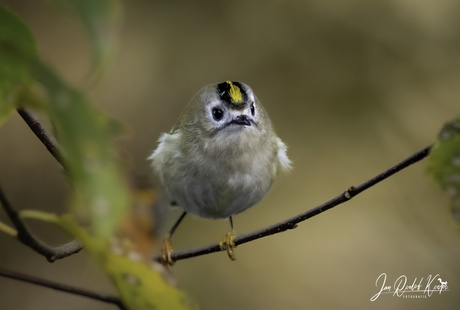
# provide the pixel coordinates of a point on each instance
(291, 223)
(27, 238)
(62, 287)
(42, 134)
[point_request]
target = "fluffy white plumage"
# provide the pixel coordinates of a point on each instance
(222, 155)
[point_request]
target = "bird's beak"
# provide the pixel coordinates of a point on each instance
(242, 120)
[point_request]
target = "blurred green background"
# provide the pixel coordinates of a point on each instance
(352, 87)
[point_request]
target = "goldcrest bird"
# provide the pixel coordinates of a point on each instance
(220, 158)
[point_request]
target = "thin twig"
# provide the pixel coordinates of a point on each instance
(62, 287)
(42, 134)
(27, 238)
(24, 235)
(291, 223)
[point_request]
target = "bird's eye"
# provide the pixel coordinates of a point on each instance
(253, 109)
(217, 113)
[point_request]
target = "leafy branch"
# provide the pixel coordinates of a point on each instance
(100, 198)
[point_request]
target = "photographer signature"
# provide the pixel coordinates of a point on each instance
(421, 288)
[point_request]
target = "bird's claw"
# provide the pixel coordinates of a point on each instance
(166, 250)
(228, 245)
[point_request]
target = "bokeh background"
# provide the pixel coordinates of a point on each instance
(352, 87)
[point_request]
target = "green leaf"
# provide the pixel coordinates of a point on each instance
(101, 19)
(140, 287)
(18, 54)
(444, 163)
(100, 195)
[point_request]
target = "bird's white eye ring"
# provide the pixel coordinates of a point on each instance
(253, 109)
(217, 113)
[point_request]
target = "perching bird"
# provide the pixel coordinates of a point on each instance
(220, 158)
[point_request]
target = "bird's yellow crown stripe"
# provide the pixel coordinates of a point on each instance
(235, 93)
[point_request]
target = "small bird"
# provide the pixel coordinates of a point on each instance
(220, 158)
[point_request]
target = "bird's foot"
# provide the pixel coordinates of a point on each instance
(166, 250)
(228, 245)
